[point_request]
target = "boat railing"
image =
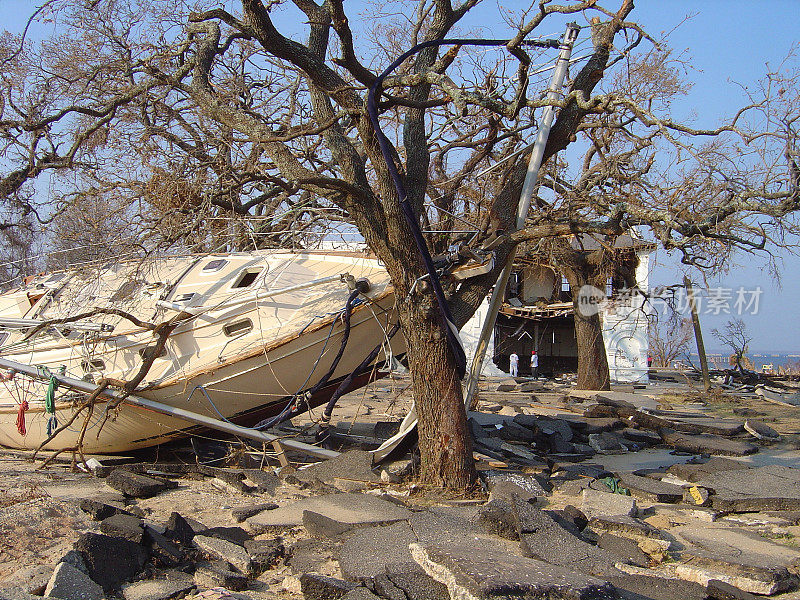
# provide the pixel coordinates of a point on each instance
(21, 323)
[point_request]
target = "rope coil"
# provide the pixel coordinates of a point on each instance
(21, 417)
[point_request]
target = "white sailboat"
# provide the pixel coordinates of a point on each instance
(253, 331)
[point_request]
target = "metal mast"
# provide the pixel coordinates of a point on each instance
(553, 94)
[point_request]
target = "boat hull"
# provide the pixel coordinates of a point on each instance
(241, 378)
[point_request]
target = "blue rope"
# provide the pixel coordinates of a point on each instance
(210, 401)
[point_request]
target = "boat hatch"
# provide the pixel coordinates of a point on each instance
(93, 365)
(147, 352)
(215, 265)
(125, 291)
(238, 327)
(246, 278)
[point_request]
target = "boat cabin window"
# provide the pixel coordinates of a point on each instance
(146, 353)
(95, 364)
(238, 327)
(214, 265)
(3, 337)
(185, 297)
(246, 279)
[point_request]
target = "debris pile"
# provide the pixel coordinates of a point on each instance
(606, 423)
(562, 513)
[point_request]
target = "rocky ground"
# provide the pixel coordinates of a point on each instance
(659, 492)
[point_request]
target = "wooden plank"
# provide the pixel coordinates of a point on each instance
(281, 453)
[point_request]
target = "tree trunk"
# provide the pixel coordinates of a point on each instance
(593, 371)
(444, 441)
(583, 275)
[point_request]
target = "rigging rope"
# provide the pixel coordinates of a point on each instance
(344, 386)
(50, 396)
(292, 408)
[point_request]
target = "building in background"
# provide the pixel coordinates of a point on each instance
(538, 315)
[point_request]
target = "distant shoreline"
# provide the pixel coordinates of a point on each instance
(719, 360)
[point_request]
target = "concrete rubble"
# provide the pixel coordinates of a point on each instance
(583, 496)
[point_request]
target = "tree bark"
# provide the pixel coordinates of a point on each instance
(581, 270)
(444, 441)
(593, 373)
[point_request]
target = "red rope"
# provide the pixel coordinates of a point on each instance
(21, 417)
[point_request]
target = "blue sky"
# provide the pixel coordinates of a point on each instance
(728, 41)
(732, 42)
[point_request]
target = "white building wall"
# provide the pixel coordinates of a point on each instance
(625, 325)
(471, 333)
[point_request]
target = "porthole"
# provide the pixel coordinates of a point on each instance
(238, 327)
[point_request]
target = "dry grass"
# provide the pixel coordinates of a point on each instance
(30, 491)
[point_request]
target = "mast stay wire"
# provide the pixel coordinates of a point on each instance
(375, 91)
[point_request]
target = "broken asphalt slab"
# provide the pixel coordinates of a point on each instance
(138, 486)
(231, 553)
(321, 587)
(488, 571)
(110, 560)
(68, 582)
(531, 484)
(543, 538)
(617, 398)
(628, 527)
(365, 554)
(606, 504)
(158, 589)
(707, 444)
(353, 464)
(625, 549)
(653, 490)
(695, 471)
(761, 430)
(643, 587)
(711, 425)
(736, 556)
(351, 509)
(773, 487)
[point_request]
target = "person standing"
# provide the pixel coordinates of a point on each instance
(513, 362)
(534, 364)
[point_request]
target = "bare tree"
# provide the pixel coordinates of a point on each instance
(18, 256)
(734, 335)
(233, 116)
(690, 190)
(669, 338)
